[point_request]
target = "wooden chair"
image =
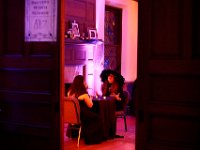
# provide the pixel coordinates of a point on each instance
(72, 114)
(122, 113)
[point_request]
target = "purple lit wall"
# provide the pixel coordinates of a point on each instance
(129, 33)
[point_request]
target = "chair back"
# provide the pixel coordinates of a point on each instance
(126, 98)
(122, 113)
(71, 110)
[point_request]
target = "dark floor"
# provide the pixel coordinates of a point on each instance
(126, 143)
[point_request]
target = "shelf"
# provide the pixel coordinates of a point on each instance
(87, 41)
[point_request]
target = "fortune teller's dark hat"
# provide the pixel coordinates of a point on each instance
(118, 77)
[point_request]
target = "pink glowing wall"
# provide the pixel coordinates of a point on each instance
(129, 33)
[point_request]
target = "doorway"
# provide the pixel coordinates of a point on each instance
(127, 45)
(112, 38)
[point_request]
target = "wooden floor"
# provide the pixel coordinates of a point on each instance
(126, 143)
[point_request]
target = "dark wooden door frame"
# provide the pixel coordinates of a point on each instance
(30, 85)
(168, 98)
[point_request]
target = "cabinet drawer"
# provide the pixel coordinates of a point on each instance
(75, 54)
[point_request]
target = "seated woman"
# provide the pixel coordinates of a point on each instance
(91, 123)
(113, 86)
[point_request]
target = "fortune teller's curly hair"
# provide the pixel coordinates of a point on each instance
(118, 77)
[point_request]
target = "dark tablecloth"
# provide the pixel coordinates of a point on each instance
(105, 107)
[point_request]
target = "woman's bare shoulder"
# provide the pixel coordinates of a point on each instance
(83, 96)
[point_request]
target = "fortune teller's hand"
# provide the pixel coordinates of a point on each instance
(97, 94)
(116, 96)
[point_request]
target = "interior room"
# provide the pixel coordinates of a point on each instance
(147, 53)
(127, 40)
(105, 38)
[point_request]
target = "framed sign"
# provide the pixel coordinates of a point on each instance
(41, 20)
(92, 33)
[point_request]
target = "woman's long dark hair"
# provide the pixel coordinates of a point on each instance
(77, 88)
